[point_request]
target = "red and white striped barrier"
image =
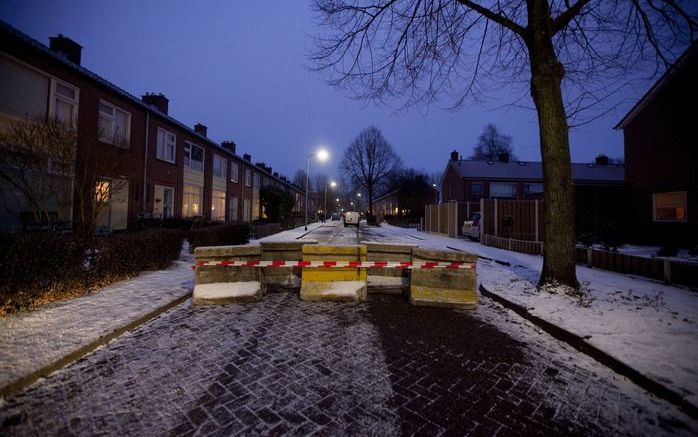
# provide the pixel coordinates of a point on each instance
(341, 264)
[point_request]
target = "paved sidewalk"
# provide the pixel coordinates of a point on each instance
(35, 343)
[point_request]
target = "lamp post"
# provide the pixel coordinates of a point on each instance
(332, 184)
(321, 155)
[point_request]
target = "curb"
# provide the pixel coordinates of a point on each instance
(24, 382)
(579, 343)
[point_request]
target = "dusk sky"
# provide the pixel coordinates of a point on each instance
(241, 68)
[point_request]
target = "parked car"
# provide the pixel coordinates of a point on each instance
(471, 227)
(351, 218)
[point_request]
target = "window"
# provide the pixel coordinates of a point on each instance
(670, 207)
(65, 103)
(193, 156)
(503, 190)
(166, 146)
(23, 91)
(191, 201)
(233, 209)
(218, 206)
(533, 188)
(476, 189)
(114, 125)
(246, 204)
(220, 166)
(248, 177)
(234, 169)
(256, 180)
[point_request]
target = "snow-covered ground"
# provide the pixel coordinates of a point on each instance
(682, 255)
(648, 325)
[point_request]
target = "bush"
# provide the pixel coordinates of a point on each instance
(43, 266)
(219, 235)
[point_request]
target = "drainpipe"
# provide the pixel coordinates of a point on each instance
(145, 160)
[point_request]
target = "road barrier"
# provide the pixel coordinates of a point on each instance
(331, 281)
(335, 272)
(443, 287)
(389, 279)
(275, 255)
(217, 281)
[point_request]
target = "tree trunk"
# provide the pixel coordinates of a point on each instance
(546, 90)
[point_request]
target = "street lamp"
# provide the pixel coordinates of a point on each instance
(436, 192)
(322, 155)
(332, 184)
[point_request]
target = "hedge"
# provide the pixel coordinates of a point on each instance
(43, 266)
(219, 235)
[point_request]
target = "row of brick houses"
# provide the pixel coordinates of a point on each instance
(157, 166)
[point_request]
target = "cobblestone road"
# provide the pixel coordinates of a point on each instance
(382, 367)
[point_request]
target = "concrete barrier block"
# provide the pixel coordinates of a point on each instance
(388, 280)
(282, 278)
(223, 284)
(332, 283)
(443, 287)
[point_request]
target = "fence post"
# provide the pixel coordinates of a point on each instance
(482, 219)
(438, 218)
(467, 210)
(509, 243)
(455, 213)
(590, 252)
(667, 271)
(536, 219)
(496, 231)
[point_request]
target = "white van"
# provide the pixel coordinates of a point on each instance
(351, 218)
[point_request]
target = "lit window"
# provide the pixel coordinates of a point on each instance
(193, 156)
(255, 179)
(233, 209)
(114, 125)
(246, 210)
(166, 146)
(220, 166)
(670, 207)
(191, 201)
(218, 206)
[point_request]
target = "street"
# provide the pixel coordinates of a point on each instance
(382, 367)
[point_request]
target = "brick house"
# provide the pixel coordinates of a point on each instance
(405, 202)
(598, 186)
(661, 157)
(149, 163)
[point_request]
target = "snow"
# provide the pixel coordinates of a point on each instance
(290, 234)
(682, 255)
(223, 290)
(341, 288)
(648, 325)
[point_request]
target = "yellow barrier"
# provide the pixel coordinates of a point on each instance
(388, 280)
(282, 278)
(222, 284)
(337, 284)
(443, 287)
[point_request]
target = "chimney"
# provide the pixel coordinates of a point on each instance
(276, 174)
(66, 47)
(200, 129)
(454, 155)
(247, 157)
(269, 170)
(159, 101)
(503, 157)
(229, 146)
(602, 160)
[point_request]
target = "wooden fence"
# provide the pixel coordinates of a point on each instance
(523, 246)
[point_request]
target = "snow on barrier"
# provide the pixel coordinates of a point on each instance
(454, 287)
(389, 280)
(276, 277)
(217, 281)
(332, 282)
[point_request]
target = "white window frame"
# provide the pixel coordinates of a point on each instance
(187, 156)
(234, 171)
(187, 193)
(248, 177)
(55, 95)
(654, 207)
(256, 180)
(220, 170)
(112, 118)
(160, 152)
(233, 206)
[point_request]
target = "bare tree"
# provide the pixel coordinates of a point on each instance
(299, 179)
(419, 50)
(368, 161)
(491, 145)
(37, 168)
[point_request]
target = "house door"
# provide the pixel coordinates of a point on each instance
(111, 200)
(164, 201)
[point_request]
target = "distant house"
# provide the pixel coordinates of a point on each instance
(598, 186)
(661, 156)
(406, 202)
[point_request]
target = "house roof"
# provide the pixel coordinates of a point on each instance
(46, 51)
(529, 170)
(658, 86)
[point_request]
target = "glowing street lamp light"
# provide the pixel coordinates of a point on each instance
(322, 155)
